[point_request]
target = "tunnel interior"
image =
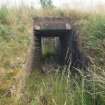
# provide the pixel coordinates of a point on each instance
(51, 49)
(51, 46)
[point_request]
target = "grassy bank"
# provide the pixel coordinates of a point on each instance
(53, 89)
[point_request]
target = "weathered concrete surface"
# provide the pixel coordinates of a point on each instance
(51, 23)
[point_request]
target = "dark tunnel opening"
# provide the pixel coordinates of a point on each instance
(51, 46)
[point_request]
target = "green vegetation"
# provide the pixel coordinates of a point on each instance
(16, 88)
(46, 3)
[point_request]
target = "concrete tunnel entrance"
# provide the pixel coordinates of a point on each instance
(60, 27)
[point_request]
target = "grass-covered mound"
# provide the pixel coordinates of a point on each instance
(53, 89)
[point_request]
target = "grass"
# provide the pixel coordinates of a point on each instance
(61, 89)
(16, 88)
